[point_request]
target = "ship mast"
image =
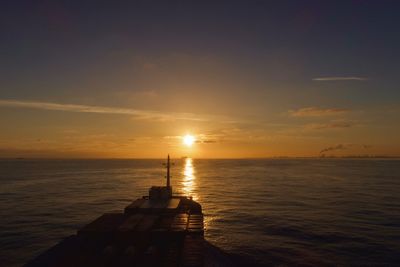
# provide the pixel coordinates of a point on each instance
(168, 171)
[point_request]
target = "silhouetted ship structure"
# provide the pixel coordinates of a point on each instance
(156, 230)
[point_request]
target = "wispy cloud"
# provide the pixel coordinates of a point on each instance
(200, 138)
(223, 136)
(339, 78)
(139, 114)
(208, 138)
(336, 124)
(317, 112)
(149, 66)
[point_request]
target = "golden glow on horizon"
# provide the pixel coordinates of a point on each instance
(189, 140)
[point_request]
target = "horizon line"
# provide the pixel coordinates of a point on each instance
(217, 158)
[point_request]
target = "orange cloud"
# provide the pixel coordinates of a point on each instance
(317, 112)
(331, 125)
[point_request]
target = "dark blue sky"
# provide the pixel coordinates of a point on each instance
(328, 38)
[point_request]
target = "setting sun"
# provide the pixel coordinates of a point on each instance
(188, 140)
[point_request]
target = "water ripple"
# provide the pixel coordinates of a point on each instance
(263, 212)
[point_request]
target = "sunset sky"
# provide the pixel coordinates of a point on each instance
(129, 79)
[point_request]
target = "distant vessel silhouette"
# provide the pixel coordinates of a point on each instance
(160, 229)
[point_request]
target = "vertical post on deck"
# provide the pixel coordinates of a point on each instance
(168, 176)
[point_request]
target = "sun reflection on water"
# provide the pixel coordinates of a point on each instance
(189, 185)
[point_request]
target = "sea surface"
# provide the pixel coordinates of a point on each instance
(275, 212)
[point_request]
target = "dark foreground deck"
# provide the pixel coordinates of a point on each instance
(167, 232)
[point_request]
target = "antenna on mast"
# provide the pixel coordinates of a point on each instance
(168, 172)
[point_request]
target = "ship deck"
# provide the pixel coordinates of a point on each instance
(162, 232)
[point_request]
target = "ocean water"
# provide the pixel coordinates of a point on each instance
(276, 212)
